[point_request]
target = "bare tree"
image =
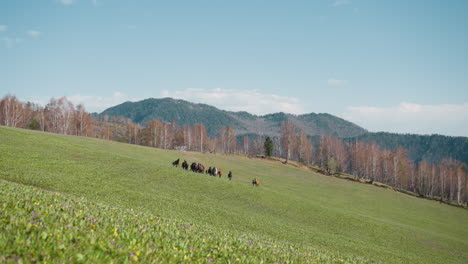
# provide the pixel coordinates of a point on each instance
(257, 145)
(338, 150)
(222, 140)
(300, 147)
(287, 138)
(65, 112)
(231, 140)
(81, 121)
(461, 181)
(201, 136)
(188, 136)
(133, 131)
(246, 141)
(154, 128)
(400, 167)
(308, 150)
(11, 111)
(423, 178)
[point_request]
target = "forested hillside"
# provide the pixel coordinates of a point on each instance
(169, 110)
(186, 113)
(431, 148)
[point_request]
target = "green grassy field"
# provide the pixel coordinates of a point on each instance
(43, 226)
(321, 218)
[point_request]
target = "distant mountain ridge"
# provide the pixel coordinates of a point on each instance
(187, 113)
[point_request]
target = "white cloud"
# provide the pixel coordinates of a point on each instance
(92, 103)
(446, 119)
(33, 33)
(240, 100)
(336, 82)
(100, 103)
(3, 27)
(337, 3)
(227, 99)
(66, 2)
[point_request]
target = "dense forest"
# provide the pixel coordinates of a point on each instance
(431, 148)
(445, 180)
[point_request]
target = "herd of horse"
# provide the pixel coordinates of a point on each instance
(213, 171)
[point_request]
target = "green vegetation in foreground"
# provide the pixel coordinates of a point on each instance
(293, 205)
(41, 226)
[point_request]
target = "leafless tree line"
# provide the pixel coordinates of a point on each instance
(447, 180)
(58, 116)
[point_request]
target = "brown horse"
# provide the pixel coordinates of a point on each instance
(201, 168)
(255, 182)
(220, 173)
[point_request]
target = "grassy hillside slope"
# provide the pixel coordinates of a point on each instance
(41, 226)
(291, 205)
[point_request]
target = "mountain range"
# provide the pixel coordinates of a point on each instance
(187, 113)
(431, 148)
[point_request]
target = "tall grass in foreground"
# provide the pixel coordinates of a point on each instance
(43, 226)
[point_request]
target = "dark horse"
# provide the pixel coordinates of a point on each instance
(197, 167)
(176, 163)
(194, 167)
(230, 175)
(185, 165)
(255, 182)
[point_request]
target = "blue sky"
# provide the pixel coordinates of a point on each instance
(399, 66)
